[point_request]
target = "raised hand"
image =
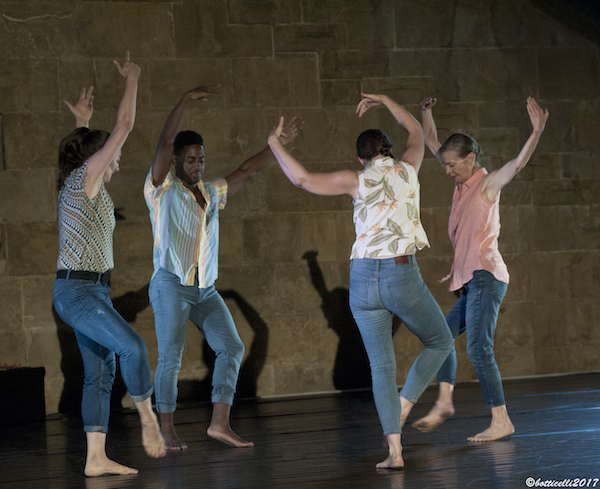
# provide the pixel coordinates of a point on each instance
(290, 131)
(204, 91)
(428, 103)
(84, 108)
(368, 101)
(276, 131)
(129, 68)
(537, 115)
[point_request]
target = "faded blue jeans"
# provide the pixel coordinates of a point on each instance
(476, 312)
(379, 289)
(173, 305)
(101, 332)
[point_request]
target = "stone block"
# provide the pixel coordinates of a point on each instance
(274, 238)
(437, 188)
(542, 228)
(11, 319)
(37, 304)
(509, 241)
(330, 234)
(354, 64)
(514, 330)
(516, 362)
(308, 37)
(3, 250)
(544, 166)
(53, 388)
(568, 72)
(264, 11)
(295, 291)
(404, 89)
(169, 79)
(293, 378)
(35, 30)
(550, 360)
(572, 192)
(231, 243)
(256, 284)
(126, 189)
(583, 314)
(286, 81)
(435, 222)
(37, 136)
(433, 269)
(138, 151)
(578, 274)
(150, 36)
(32, 248)
(43, 350)
(202, 30)
(28, 85)
(548, 325)
(337, 93)
(518, 192)
(14, 348)
(580, 165)
(369, 25)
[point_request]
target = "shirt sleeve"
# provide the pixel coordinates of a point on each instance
(152, 193)
(220, 187)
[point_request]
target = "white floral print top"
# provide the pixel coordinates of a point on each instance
(386, 211)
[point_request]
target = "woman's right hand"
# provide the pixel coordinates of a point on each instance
(203, 92)
(129, 68)
(428, 103)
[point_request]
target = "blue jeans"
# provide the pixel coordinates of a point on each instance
(378, 289)
(476, 312)
(101, 332)
(173, 305)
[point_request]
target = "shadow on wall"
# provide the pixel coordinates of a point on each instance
(128, 305)
(351, 369)
(200, 390)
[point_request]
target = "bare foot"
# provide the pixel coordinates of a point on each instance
(494, 432)
(172, 441)
(98, 465)
(392, 462)
(227, 436)
(152, 439)
(438, 414)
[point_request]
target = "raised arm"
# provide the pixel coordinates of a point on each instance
(164, 151)
(429, 127)
(100, 160)
(254, 164)
(415, 149)
(84, 108)
(335, 183)
(495, 181)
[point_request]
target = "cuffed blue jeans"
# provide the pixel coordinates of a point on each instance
(378, 289)
(101, 332)
(173, 305)
(476, 313)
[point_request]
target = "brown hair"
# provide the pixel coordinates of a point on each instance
(76, 148)
(463, 145)
(373, 142)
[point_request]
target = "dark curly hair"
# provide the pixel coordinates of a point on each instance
(75, 149)
(186, 138)
(373, 142)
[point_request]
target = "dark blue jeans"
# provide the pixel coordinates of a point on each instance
(476, 313)
(101, 332)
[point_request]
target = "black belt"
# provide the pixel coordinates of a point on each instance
(103, 278)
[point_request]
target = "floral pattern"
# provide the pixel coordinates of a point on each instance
(386, 211)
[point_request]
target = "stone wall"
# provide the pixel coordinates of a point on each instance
(480, 58)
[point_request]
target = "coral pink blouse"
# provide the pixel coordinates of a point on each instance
(474, 227)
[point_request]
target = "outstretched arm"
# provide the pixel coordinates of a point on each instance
(429, 127)
(415, 149)
(164, 151)
(495, 181)
(84, 108)
(256, 163)
(100, 160)
(335, 183)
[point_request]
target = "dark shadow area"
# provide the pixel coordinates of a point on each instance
(351, 369)
(128, 305)
(199, 390)
(581, 17)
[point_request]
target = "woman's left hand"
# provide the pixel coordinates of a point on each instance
(84, 108)
(368, 101)
(537, 115)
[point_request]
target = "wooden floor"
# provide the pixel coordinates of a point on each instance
(333, 441)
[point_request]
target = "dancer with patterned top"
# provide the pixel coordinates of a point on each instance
(86, 221)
